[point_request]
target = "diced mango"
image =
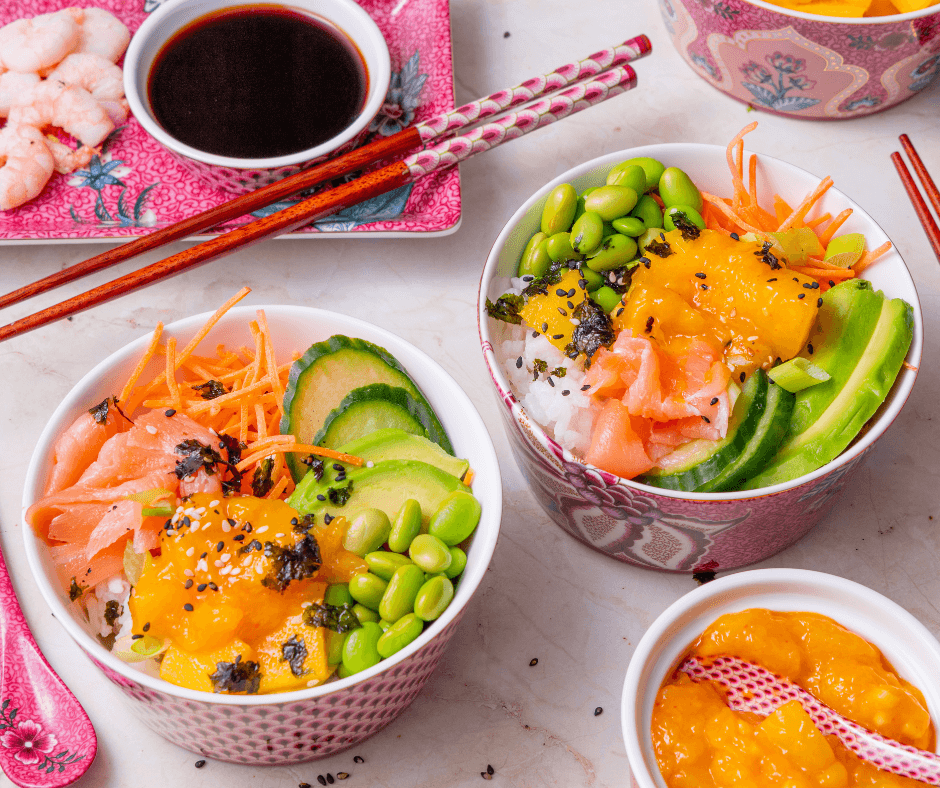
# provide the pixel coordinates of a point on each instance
(193, 669)
(551, 314)
(792, 730)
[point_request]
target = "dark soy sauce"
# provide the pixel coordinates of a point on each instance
(257, 81)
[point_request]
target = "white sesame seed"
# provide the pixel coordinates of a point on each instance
(202, 566)
(262, 529)
(151, 429)
(225, 570)
(246, 560)
(226, 527)
(234, 571)
(218, 563)
(279, 536)
(213, 504)
(259, 568)
(190, 551)
(225, 558)
(188, 572)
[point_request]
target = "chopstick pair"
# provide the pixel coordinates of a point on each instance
(933, 194)
(532, 104)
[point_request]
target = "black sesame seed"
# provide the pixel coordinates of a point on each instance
(818, 302)
(706, 419)
(598, 711)
(704, 287)
(561, 292)
(204, 555)
(566, 392)
(742, 377)
(701, 275)
(558, 336)
(809, 349)
(620, 312)
(519, 363)
(238, 538)
(772, 280)
(583, 283)
(646, 261)
(535, 335)
(321, 497)
(169, 412)
(329, 778)
(199, 764)
(304, 785)
(551, 382)
(234, 523)
(585, 387)
(188, 607)
(562, 312)
(570, 305)
(831, 283)
(213, 587)
(247, 527)
(528, 278)
(136, 637)
(294, 520)
(201, 587)
(795, 279)
(736, 236)
(188, 584)
(321, 779)
(533, 662)
(220, 547)
(808, 286)
(327, 518)
(801, 295)
(490, 769)
(146, 627)
(359, 759)
(714, 401)
(544, 327)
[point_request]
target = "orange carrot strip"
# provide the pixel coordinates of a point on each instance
(215, 318)
(270, 359)
(804, 207)
(171, 373)
(869, 257)
(782, 209)
(278, 488)
(141, 365)
(737, 168)
(231, 397)
(827, 235)
(752, 179)
(729, 213)
(814, 223)
(824, 273)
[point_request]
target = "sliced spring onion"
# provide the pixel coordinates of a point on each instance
(143, 648)
(845, 250)
(797, 374)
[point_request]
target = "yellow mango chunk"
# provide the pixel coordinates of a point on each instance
(193, 669)
(792, 730)
(551, 314)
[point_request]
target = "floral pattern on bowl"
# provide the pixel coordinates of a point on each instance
(804, 66)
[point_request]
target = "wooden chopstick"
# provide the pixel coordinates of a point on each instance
(448, 153)
(434, 129)
(920, 207)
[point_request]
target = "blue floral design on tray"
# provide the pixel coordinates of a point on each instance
(773, 94)
(401, 100)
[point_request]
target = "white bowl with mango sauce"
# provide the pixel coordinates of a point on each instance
(904, 642)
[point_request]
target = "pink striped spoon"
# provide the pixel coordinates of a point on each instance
(46, 738)
(750, 687)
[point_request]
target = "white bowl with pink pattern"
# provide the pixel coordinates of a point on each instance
(312, 723)
(664, 529)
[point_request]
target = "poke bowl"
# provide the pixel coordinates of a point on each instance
(633, 522)
(903, 642)
(806, 65)
(310, 720)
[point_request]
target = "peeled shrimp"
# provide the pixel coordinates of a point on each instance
(68, 159)
(37, 44)
(68, 107)
(27, 165)
(101, 32)
(100, 77)
(13, 86)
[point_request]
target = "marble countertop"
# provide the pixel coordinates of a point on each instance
(545, 596)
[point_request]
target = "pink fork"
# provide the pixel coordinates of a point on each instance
(750, 687)
(46, 738)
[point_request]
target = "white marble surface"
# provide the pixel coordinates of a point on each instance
(545, 596)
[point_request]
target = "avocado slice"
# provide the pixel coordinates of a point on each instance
(386, 486)
(395, 444)
(861, 339)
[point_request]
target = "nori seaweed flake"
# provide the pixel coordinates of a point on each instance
(298, 562)
(210, 389)
(75, 590)
(304, 524)
(232, 483)
(689, 231)
(236, 676)
(315, 464)
(594, 330)
(339, 496)
(112, 611)
(196, 455)
(560, 372)
(294, 652)
(100, 412)
(262, 480)
(659, 248)
(768, 257)
(538, 367)
(339, 618)
(506, 308)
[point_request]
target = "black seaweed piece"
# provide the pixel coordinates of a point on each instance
(112, 612)
(294, 652)
(232, 483)
(315, 464)
(659, 248)
(262, 480)
(339, 618)
(539, 366)
(298, 562)
(768, 257)
(689, 231)
(236, 676)
(541, 285)
(100, 412)
(210, 389)
(196, 455)
(305, 523)
(506, 308)
(339, 496)
(75, 590)
(254, 544)
(594, 331)
(559, 372)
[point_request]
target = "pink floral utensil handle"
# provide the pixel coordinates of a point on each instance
(46, 738)
(750, 687)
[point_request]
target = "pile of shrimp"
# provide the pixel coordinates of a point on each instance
(57, 71)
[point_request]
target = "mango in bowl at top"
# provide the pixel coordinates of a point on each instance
(666, 368)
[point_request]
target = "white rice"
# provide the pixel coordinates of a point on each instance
(115, 589)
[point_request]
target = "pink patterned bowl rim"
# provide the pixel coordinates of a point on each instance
(170, 17)
(906, 643)
(707, 166)
(292, 328)
(845, 20)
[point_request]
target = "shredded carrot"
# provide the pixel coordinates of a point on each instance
(141, 365)
(869, 257)
(737, 222)
(800, 212)
(824, 273)
(826, 235)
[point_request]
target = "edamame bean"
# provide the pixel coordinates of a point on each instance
(629, 225)
(399, 597)
(367, 589)
(676, 188)
(690, 214)
(535, 260)
(558, 213)
(455, 519)
(607, 298)
(587, 232)
(458, 562)
(334, 646)
(652, 168)
(559, 248)
(626, 174)
(433, 598)
(364, 614)
(384, 624)
(615, 252)
(407, 524)
(430, 553)
(611, 202)
(400, 634)
(360, 651)
(337, 594)
(367, 532)
(384, 564)
(648, 211)
(593, 279)
(587, 191)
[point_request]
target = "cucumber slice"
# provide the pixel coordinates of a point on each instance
(704, 460)
(376, 407)
(324, 375)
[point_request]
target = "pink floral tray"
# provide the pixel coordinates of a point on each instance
(134, 184)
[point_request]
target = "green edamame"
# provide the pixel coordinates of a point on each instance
(334, 646)
(611, 202)
(614, 252)
(360, 651)
(653, 169)
(676, 188)
(629, 225)
(690, 214)
(626, 174)
(559, 248)
(399, 597)
(400, 634)
(647, 210)
(385, 625)
(535, 260)
(367, 532)
(647, 238)
(558, 213)
(593, 279)
(430, 553)
(456, 518)
(433, 598)
(407, 523)
(367, 589)
(364, 614)
(337, 594)
(458, 562)
(383, 564)
(607, 298)
(587, 232)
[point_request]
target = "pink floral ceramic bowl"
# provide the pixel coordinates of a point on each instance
(906, 643)
(312, 723)
(230, 173)
(658, 528)
(806, 65)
